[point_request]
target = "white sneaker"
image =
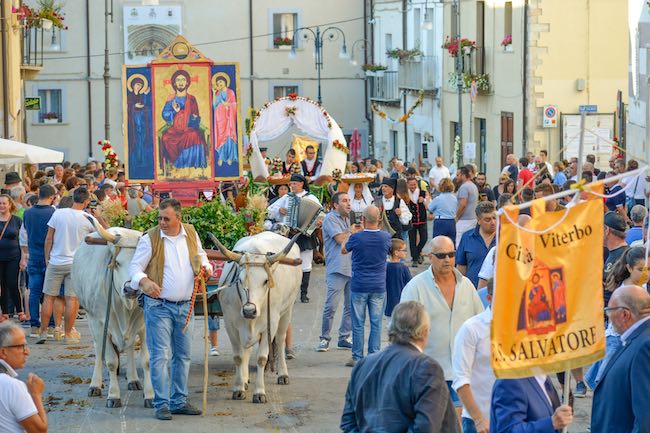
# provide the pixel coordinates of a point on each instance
(214, 351)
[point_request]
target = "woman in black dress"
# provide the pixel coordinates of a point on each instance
(10, 259)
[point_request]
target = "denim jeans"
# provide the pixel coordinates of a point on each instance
(337, 285)
(468, 425)
(36, 273)
(164, 324)
(612, 343)
(374, 302)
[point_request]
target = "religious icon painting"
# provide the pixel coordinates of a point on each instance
(139, 147)
(543, 300)
(182, 122)
(226, 121)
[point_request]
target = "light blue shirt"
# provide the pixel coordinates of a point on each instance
(631, 329)
(444, 205)
(335, 262)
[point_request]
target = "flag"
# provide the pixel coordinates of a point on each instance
(548, 306)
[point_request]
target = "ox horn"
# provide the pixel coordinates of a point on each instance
(280, 255)
(105, 234)
(235, 257)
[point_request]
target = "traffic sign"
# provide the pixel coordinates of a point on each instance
(588, 108)
(550, 116)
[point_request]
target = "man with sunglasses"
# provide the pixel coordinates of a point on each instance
(21, 404)
(166, 261)
(450, 299)
(620, 401)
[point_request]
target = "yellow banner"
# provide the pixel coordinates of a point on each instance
(548, 305)
(300, 143)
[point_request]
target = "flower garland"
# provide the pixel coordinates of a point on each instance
(291, 97)
(375, 108)
(110, 157)
(340, 146)
(290, 110)
(458, 152)
(276, 166)
(337, 175)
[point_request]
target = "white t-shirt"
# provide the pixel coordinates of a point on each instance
(16, 404)
(70, 228)
(436, 174)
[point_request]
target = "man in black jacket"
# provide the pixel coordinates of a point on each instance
(418, 222)
(400, 388)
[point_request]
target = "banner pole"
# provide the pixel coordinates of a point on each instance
(566, 391)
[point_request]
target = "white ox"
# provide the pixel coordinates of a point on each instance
(244, 298)
(96, 270)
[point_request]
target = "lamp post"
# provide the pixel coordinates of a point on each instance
(107, 75)
(364, 47)
(330, 34)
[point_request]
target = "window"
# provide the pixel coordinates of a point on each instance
(284, 26)
(480, 37)
(507, 19)
(507, 134)
(282, 91)
(417, 25)
(393, 142)
(51, 106)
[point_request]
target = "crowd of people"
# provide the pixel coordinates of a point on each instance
(435, 375)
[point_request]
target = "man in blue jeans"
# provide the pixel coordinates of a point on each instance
(369, 249)
(166, 261)
(35, 231)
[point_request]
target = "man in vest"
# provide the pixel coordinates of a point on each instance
(166, 261)
(396, 210)
(310, 165)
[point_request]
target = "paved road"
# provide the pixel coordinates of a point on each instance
(311, 403)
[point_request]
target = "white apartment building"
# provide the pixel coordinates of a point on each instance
(71, 84)
(409, 25)
(637, 139)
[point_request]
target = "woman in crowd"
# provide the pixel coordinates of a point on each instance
(360, 199)
(443, 207)
(11, 260)
(560, 177)
(135, 205)
(499, 189)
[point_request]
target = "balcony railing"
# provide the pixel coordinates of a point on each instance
(384, 86)
(418, 74)
(32, 47)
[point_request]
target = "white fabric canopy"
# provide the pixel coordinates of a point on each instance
(12, 152)
(309, 117)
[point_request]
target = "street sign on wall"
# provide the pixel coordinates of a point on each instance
(550, 116)
(588, 108)
(33, 103)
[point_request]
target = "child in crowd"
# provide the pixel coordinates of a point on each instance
(397, 275)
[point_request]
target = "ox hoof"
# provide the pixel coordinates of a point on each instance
(148, 403)
(259, 398)
(94, 391)
(283, 380)
(246, 386)
(113, 402)
(239, 395)
(135, 386)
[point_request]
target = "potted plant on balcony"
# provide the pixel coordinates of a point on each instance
(51, 117)
(47, 15)
(452, 45)
(404, 55)
(506, 43)
(374, 70)
(281, 43)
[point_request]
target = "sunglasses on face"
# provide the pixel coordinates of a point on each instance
(441, 256)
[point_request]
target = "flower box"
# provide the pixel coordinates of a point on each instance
(508, 49)
(283, 47)
(375, 73)
(50, 121)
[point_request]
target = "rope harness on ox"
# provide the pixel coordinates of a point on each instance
(199, 287)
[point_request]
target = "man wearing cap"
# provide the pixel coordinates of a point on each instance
(278, 211)
(396, 212)
(614, 240)
(12, 179)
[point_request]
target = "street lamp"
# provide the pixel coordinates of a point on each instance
(365, 44)
(427, 24)
(318, 36)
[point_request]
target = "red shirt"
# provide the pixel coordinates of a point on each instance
(525, 176)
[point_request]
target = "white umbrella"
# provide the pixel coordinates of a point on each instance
(12, 152)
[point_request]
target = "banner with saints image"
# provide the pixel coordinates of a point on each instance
(548, 305)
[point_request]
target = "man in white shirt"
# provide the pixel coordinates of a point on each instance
(543, 156)
(67, 228)
(21, 404)
(396, 210)
(437, 173)
(449, 298)
(471, 363)
(166, 261)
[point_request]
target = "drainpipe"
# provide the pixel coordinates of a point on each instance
(365, 81)
(371, 115)
(88, 83)
(250, 48)
(524, 133)
(404, 47)
(5, 79)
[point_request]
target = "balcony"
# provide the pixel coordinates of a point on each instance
(418, 74)
(384, 87)
(32, 52)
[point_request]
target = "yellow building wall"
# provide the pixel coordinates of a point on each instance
(571, 40)
(13, 81)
